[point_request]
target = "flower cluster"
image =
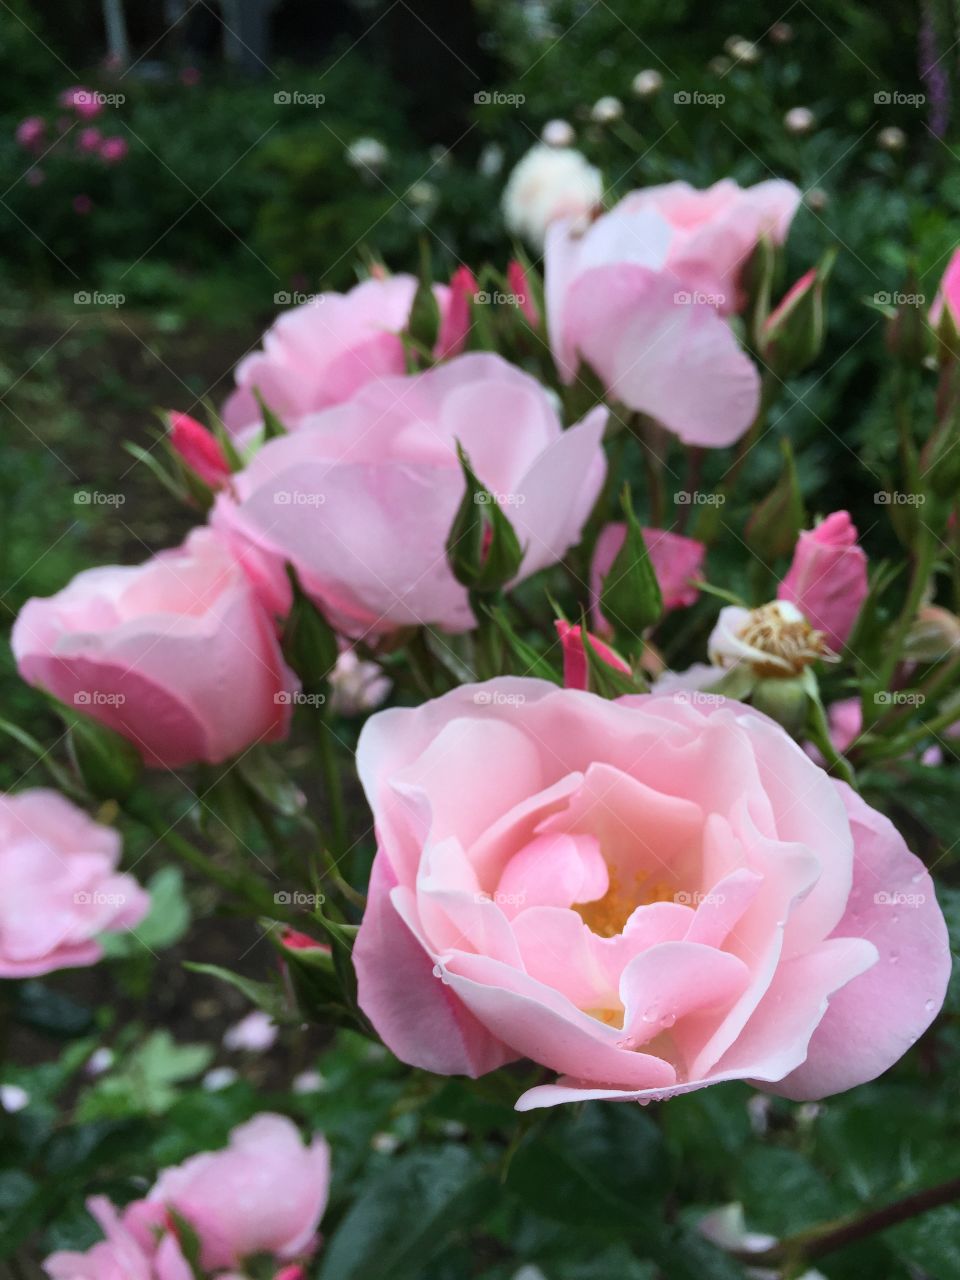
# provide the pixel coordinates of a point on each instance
(646, 880)
(261, 1197)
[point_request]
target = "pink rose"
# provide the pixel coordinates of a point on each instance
(360, 499)
(677, 561)
(30, 132)
(263, 1193)
(576, 669)
(119, 1256)
(658, 347)
(319, 353)
(827, 580)
(646, 896)
(59, 885)
(200, 449)
(715, 231)
(176, 654)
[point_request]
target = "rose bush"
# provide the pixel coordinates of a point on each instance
(646, 896)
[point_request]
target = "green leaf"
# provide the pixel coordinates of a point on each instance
(599, 1167)
(263, 994)
(404, 1216)
(531, 662)
(166, 922)
(630, 596)
(146, 1081)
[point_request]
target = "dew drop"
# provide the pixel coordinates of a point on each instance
(930, 1006)
(894, 957)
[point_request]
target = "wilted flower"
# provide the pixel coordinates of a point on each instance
(774, 640)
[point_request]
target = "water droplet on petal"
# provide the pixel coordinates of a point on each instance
(930, 1006)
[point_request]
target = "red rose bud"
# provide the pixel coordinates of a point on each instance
(520, 288)
(199, 449)
(291, 1273)
(575, 665)
(455, 319)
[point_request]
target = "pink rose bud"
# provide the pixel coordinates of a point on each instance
(827, 580)
(645, 895)
(175, 654)
(294, 940)
(35, 177)
(200, 449)
(30, 132)
(520, 288)
(455, 314)
(89, 139)
(575, 665)
(677, 561)
(264, 1193)
(291, 1273)
(948, 295)
(794, 330)
(113, 150)
(60, 889)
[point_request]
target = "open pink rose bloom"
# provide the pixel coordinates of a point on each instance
(646, 896)
(59, 885)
